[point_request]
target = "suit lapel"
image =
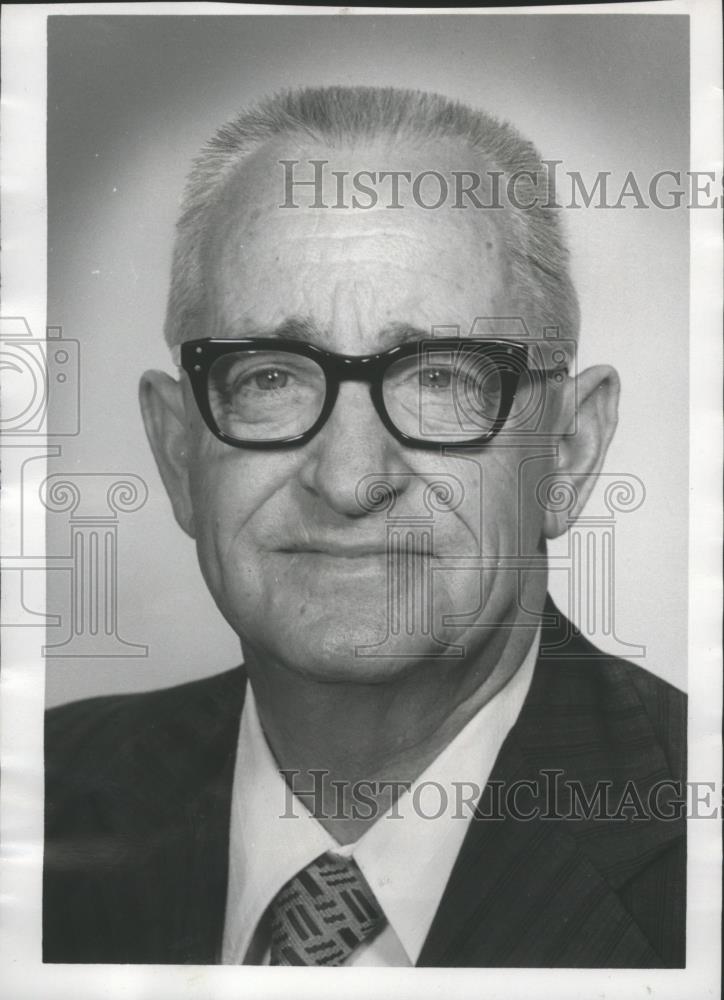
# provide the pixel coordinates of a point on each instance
(165, 888)
(523, 893)
(200, 887)
(542, 892)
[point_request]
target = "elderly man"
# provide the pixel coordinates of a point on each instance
(420, 761)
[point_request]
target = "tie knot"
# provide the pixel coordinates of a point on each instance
(323, 914)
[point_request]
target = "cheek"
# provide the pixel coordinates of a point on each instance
(488, 513)
(235, 496)
(500, 505)
(499, 515)
(225, 497)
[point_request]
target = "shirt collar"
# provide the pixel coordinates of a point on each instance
(406, 855)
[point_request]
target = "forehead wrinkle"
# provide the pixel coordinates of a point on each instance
(411, 323)
(251, 252)
(354, 240)
(248, 209)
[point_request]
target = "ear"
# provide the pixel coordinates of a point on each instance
(588, 422)
(164, 417)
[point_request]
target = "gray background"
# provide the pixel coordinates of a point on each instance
(130, 100)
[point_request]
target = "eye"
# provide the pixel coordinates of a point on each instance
(435, 378)
(270, 378)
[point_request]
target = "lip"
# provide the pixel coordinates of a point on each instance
(341, 550)
(335, 550)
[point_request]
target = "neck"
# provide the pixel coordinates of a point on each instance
(384, 734)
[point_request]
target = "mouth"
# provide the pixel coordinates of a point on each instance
(335, 551)
(347, 550)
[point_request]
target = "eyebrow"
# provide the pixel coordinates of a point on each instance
(301, 329)
(403, 333)
(305, 330)
(294, 328)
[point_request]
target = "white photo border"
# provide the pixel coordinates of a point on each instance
(22, 679)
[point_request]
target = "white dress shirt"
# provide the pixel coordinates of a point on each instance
(405, 856)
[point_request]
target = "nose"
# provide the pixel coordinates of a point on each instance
(352, 445)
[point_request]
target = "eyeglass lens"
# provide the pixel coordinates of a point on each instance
(446, 395)
(266, 395)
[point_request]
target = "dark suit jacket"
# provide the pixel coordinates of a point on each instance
(138, 792)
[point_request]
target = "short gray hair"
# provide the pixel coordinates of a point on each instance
(538, 254)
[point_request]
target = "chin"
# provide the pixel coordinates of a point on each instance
(341, 628)
(352, 648)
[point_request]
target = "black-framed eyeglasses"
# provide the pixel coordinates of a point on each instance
(269, 392)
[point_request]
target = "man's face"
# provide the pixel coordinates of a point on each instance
(298, 567)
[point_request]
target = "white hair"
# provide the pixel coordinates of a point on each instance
(538, 255)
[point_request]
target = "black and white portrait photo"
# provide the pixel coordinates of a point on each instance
(362, 448)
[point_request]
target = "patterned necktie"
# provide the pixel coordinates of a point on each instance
(323, 914)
